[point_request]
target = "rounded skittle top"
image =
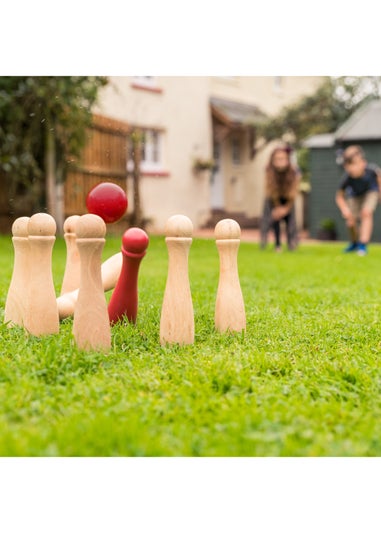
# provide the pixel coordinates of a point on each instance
(20, 227)
(179, 226)
(42, 224)
(90, 226)
(227, 229)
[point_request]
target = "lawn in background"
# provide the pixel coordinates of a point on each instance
(305, 379)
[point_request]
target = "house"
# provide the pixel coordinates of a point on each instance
(364, 128)
(201, 156)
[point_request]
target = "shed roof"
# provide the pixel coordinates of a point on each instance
(322, 140)
(236, 113)
(365, 123)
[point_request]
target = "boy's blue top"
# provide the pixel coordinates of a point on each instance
(359, 186)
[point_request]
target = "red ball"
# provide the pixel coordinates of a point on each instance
(107, 200)
(135, 240)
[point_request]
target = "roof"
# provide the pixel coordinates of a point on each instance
(365, 123)
(322, 140)
(236, 113)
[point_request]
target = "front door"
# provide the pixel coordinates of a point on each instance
(217, 182)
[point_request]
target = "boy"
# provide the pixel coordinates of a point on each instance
(357, 197)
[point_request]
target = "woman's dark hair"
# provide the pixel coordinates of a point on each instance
(281, 183)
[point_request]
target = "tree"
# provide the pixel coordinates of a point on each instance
(136, 139)
(43, 124)
(323, 111)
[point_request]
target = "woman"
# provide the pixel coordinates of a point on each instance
(281, 189)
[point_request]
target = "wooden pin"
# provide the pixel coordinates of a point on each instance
(15, 302)
(124, 299)
(41, 312)
(230, 309)
(110, 272)
(70, 280)
(91, 326)
(177, 319)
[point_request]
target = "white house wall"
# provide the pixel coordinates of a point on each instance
(182, 111)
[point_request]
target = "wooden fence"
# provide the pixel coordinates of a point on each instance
(104, 159)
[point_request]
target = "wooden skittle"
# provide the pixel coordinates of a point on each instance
(91, 326)
(41, 311)
(124, 299)
(230, 309)
(16, 296)
(110, 272)
(70, 280)
(177, 318)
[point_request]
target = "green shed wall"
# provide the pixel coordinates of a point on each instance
(325, 178)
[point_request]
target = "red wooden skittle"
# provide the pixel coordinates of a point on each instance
(124, 299)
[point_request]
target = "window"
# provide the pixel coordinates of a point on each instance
(236, 151)
(151, 149)
(216, 151)
(152, 153)
(147, 83)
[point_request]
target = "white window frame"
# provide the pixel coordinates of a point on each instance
(146, 81)
(152, 153)
(236, 151)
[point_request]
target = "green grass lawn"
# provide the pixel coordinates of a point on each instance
(305, 379)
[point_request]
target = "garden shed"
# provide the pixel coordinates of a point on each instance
(363, 128)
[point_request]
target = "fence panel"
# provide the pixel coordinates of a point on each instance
(104, 159)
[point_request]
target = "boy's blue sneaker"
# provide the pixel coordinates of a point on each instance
(352, 247)
(361, 249)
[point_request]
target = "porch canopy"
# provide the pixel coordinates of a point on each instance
(229, 115)
(235, 114)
